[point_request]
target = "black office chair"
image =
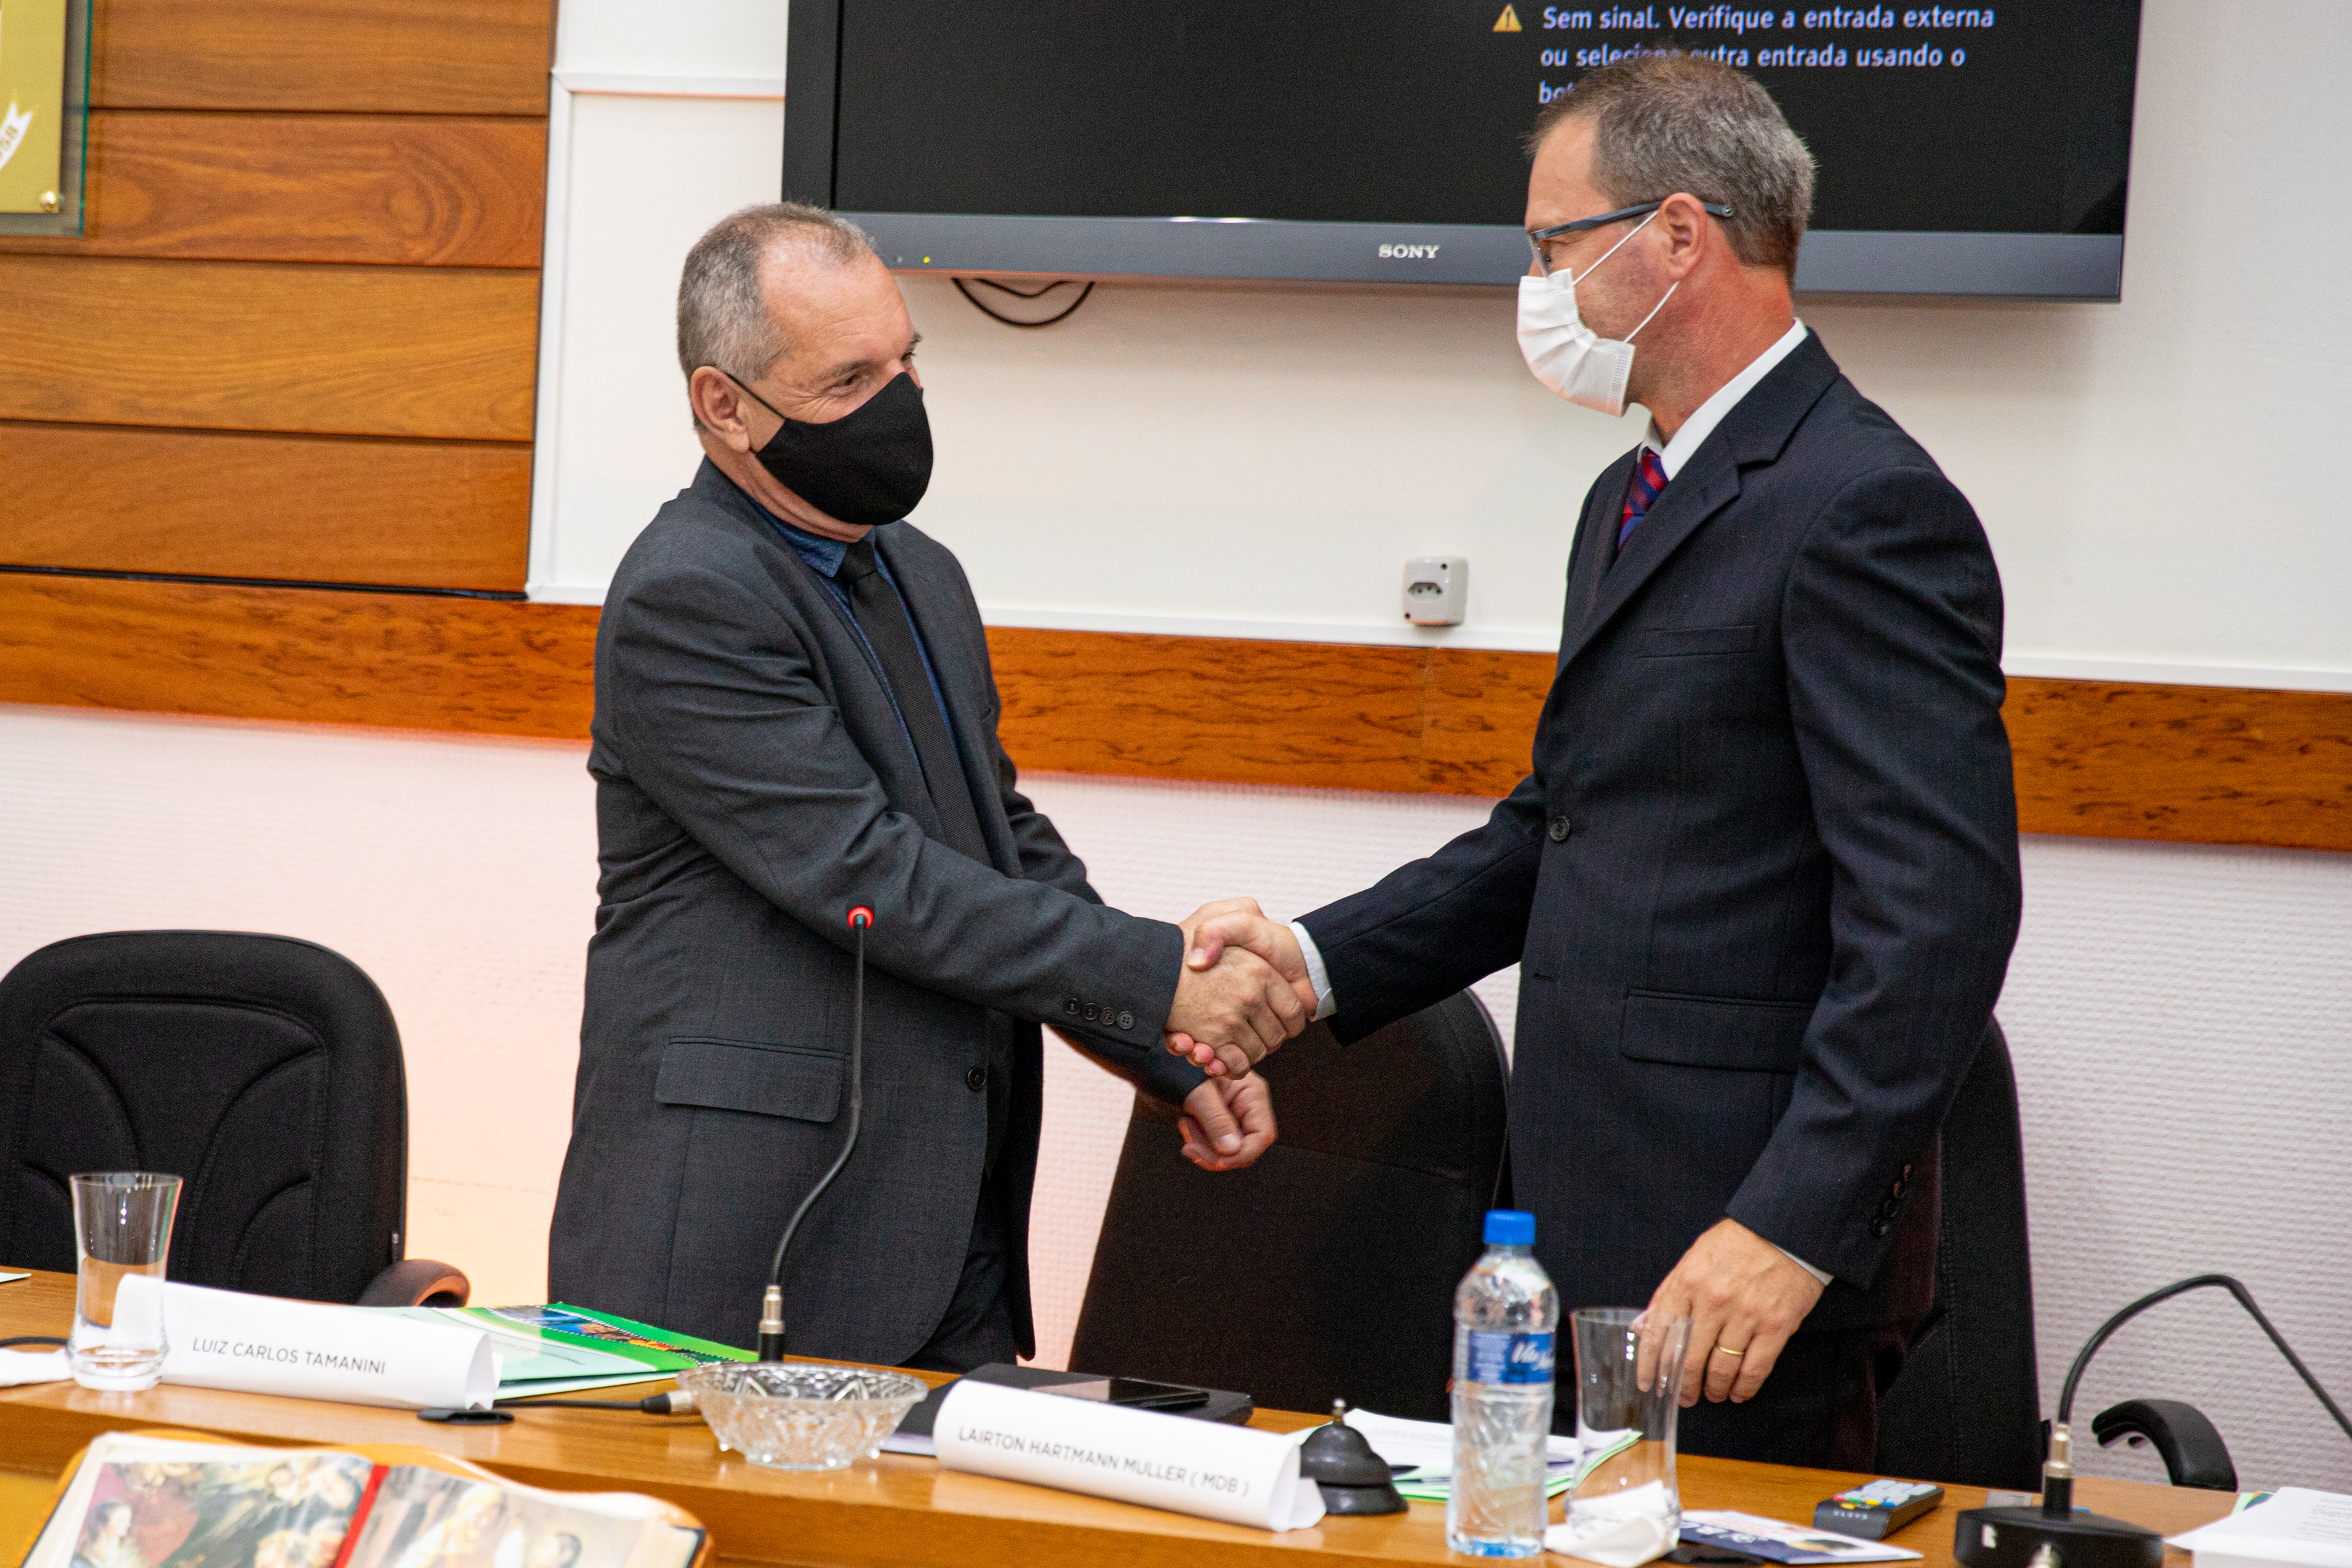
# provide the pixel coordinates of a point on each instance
(264, 1071)
(1968, 1405)
(1325, 1270)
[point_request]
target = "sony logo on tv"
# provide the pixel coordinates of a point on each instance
(1408, 252)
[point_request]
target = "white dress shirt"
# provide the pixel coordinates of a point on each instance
(1672, 455)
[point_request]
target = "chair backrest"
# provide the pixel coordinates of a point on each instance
(1327, 1269)
(264, 1071)
(1968, 1404)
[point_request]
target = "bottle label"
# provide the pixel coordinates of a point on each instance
(1509, 1358)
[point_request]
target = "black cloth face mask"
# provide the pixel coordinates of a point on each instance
(868, 468)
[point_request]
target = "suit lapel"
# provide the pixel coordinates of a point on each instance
(885, 746)
(1755, 431)
(1588, 561)
(945, 621)
(1704, 488)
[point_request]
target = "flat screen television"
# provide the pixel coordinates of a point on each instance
(1962, 150)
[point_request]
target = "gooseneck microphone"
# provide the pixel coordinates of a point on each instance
(771, 1305)
(2058, 1535)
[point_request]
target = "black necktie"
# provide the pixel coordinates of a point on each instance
(889, 631)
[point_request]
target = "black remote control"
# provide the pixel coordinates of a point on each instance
(1877, 1511)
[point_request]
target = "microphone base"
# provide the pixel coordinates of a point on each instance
(2015, 1537)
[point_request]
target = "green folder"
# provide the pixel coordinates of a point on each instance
(561, 1349)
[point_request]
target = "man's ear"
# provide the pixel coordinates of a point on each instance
(718, 407)
(1689, 233)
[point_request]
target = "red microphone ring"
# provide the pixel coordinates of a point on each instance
(860, 915)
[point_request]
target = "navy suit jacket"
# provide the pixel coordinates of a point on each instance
(1763, 880)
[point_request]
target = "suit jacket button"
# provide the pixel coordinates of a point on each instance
(1092, 1013)
(1880, 1227)
(1127, 1020)
(1560, 830)
(975, 1079)
(1070, 1005)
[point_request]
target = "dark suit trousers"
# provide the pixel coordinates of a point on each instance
(977, 1327)
(1819, 1406)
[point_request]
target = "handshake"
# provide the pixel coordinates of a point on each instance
(1242, 991)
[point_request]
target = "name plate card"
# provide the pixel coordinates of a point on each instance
(313, 1350)
(1201, 1467)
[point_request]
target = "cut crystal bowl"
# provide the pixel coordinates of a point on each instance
(795, 1417)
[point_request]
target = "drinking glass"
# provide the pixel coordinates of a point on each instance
(1625, 1505)
(122, 1231)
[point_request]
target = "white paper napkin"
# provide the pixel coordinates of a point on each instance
(1624, 1529)
(33, 1366)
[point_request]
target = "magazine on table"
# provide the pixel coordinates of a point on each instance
(138, 1502)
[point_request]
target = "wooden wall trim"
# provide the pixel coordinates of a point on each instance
(320, 656)
(2188, 763)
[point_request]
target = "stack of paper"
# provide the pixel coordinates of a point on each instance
(1422, 1453)
(1778, 1541)
(2298, 1527)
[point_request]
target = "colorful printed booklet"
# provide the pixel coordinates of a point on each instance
(556, 1349)
(138, 1502)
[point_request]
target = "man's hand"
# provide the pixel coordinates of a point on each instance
(1239, 923)
(1744, 1297)
(1239, 1006)
(1228, 1122)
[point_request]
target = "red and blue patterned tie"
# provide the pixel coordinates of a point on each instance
(1649, 479)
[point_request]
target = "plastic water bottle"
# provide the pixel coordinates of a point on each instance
(1506, 1314)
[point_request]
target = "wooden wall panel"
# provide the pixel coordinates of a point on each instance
(2201, 765)
(289, 187)
(399, 57)
(374, 351)
(486, 666)
(434, 514)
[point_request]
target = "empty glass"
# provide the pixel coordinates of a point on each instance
(1625, 1507)
(122, 1231)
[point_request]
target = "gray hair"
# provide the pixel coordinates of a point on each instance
(1663, 123)
(722, 313)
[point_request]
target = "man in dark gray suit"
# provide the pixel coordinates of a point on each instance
(1761, 880)
(795, 715)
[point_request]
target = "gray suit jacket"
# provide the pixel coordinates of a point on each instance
(752, 784)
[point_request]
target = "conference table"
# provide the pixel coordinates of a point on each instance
(892, 1508)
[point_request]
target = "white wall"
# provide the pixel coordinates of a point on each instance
(2178, 1012)
(1262, 460)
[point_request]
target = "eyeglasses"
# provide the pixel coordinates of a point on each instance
(1539, 239)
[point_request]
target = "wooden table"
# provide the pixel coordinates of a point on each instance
(892, 1510)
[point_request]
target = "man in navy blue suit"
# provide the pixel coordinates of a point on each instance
(1762, 881)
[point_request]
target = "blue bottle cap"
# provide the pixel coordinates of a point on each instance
(1510, 1227)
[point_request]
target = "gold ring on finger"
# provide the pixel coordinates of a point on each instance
(1727, 1349)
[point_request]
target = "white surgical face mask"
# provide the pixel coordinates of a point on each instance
(1567, 356)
